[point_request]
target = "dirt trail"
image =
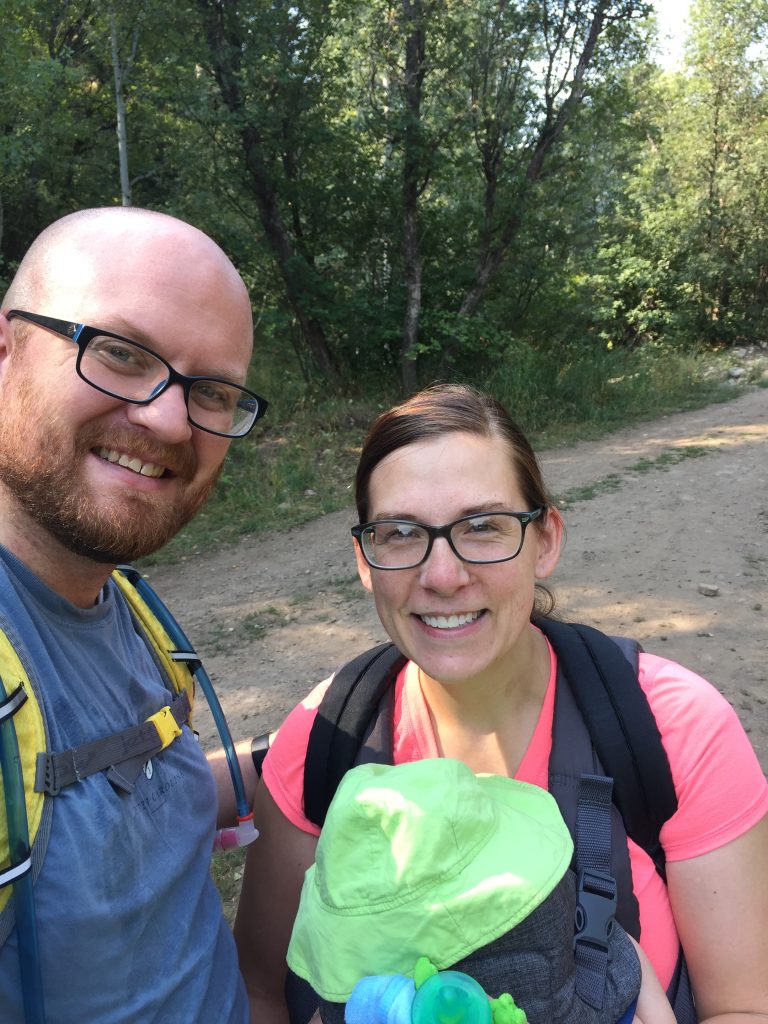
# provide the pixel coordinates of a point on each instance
(656, 512)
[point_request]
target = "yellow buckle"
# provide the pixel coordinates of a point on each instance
(167, 726)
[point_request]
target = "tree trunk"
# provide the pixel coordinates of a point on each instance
(226, 58)
(414, 79)
(122, 134)
(493, 253)
(412, 273)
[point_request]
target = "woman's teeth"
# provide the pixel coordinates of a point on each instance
(449, 621)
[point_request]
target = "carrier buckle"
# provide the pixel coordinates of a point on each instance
(595, 908)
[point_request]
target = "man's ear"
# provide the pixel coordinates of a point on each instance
(363, 569)
(6, 340)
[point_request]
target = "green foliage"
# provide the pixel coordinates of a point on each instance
(290, 133)
(685, 258)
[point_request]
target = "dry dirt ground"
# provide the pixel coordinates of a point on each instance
(655, 514)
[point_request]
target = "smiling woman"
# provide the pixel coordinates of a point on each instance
(489, 651)
(456, 535)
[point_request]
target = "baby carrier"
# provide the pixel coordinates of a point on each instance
(608, 772)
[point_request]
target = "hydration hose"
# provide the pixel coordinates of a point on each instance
(19, 872)
(245, 831)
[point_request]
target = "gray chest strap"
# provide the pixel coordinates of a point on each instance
(121, 754)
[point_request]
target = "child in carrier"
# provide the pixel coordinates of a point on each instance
(443, 897)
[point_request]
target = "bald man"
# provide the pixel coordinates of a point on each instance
(125, 339)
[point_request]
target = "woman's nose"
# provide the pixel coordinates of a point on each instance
(443, 571)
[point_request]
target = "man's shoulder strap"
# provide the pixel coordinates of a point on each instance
(173, 661)
(23, 734)
(601, 673)
(343, 719)
(24, 743)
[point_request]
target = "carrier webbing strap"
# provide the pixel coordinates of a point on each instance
(129, 749)
(622, 728)
(595, 890)
(343, 719)
(571, 759)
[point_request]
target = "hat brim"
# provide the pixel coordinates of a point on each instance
(500, 881)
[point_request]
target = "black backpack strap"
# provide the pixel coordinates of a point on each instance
(622, 728)
(572, 760)
(343, 721)
(259, 750)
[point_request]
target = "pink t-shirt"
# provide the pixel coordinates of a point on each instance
(721, 789)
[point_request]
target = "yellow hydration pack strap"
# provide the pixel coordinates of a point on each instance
(176, 668)
(30, 733)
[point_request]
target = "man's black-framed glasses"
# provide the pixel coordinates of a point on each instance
(480, 539)
(124, 369)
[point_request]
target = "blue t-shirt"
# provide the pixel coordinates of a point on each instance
(130, 924)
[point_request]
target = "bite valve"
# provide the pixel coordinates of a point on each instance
(451, 997)
(430, 997)
(241, 834)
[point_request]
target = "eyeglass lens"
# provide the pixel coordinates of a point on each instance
(492, 537)
(130, 372)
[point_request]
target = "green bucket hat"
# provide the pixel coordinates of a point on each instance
(424, 858)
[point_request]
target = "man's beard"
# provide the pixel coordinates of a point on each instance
(42, 469)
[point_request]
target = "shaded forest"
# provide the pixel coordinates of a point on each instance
(414, 188)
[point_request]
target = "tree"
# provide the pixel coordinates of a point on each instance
(410, 187)
(121, 67)
(686, 259)
(234, 42)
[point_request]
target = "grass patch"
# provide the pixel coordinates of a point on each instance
(346, 587)
(606, 485)
(569, 393)
(227, 873)
(671, 457)
(223, 638)
(613, 481)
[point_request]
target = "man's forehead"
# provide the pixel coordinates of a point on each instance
(145, 276)
(112, 264)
